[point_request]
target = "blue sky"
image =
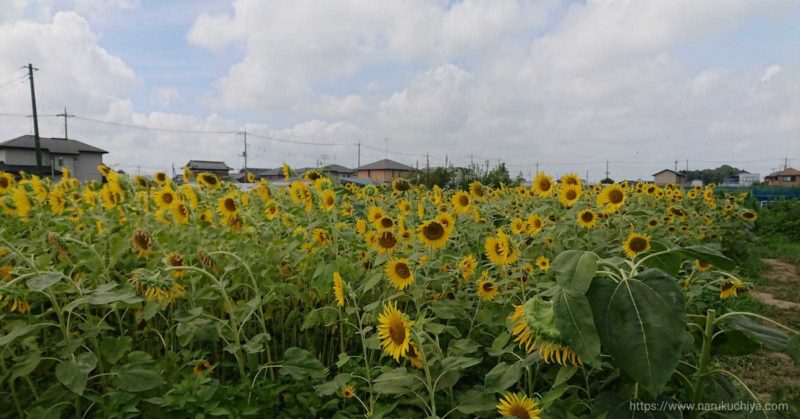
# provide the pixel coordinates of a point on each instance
(568, 84)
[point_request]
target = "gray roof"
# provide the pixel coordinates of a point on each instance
(336, 168)
(216, 166)
(385, 164)
(671, 171)
(53, 145)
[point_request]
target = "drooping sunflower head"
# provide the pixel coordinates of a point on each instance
(587, 218)
(338, 289)
(460, 201)
(394, 331)
(533, 326)
(401, 185)
(414, 356)
(142, 243)
(571, 179)
(636, 244)
(701, 266)
(748, 216)
(399, 273)
(433, 234)
(730, 288)
(542, 184)
(174, 260)
(160, 178)
(467, 266)
(519, 406)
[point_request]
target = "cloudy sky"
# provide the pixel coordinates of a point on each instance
(567, 84)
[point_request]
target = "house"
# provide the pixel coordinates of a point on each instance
(383, 170)
(786, 177)
(216, 167)
(741, 179)
(669, 177)
(82, 160)
(337, 171)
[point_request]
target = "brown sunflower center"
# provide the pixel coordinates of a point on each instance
(488, 286)
(615, 196)
(463, 200)
(401, 269)
(638, 244)
(175, 260)
(387, 240)
(748, 215)
(141, 240)
(229, 204)
(329, 200)
(544, 185)
(587, 217)
(167, 198)
(572, 194)
(211, 180)
(4, 182)
(387, 222)
(161, 177)
(433, 231)
(519, 411)
(397, 332)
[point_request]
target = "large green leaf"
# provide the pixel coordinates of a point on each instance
(44, 281)
(575, 323)
(502, 376)
(74, 372)
(642, 327)
(394, 381)
(26, 365)
(710, 255)
(140, 373)
(301, 364)
(575, 269)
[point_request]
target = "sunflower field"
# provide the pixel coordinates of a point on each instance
(136, 297)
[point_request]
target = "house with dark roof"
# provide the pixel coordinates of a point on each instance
(786, 177)
(19, 154)
(669, 177)
(383, 170)
(218, 168)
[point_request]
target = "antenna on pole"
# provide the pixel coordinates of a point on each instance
(36, 140)
(244, 152)
(607, 172)
(65, 115)
(359, 153)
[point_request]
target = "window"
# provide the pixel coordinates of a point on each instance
(788, 178)
(60, 162)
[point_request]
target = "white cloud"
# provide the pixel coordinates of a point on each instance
(771, 72)
(164, 96)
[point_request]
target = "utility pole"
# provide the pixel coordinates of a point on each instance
(586, 180)
(427, 163)
(37, 141)
(676, 166)
(470, 161)
(359, 153)
(244, 153)
(785, 163)
(386, 140)
(537, 167)
(687, 165)
(607, 172)
(65, 115)
(445, 160)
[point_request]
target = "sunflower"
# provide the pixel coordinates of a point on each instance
(328, 199)
(384, 224)
(57, 202)
(319, 236)
(611, 198)
(174, 260)
(394, 331)
(433, 234)
(160, 178)
(587, 218)
(533, 325)
(534, 224)
(542, 184)
(652, 223)
(386, 242)
(338, 289)
(572, 179)
(401, 185)
(477, 191)
(208, 180)
(287, 172)
(730, 288)
(519, 406)
(467, 266)
(701, 266)
(374, 214)
(348, 391)
(181, 213)
(142, 244)
(22, 205)
(227, 207)
(201, 367)
(518, 226)
(460, 201)
(487, 289)
(448, 221)
(568, 195)
(399, 273)
(414, 356)
(635, 244)
(749, 216)
(6, 182)
(543, 263)
(165, 198)
(499, 250)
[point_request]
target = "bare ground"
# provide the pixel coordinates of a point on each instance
(768, 372)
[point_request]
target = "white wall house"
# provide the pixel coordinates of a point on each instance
(19, 154)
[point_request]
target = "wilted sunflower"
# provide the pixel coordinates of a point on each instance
(587, 218)
(487, 289)
(399, 273)
(394, 331)
(338, 289)
(518, 406)
(174, 260)
(568, 195)
(401, 185)
(611, 198)
(319, 236)
(433, 234)
(460, 201)
(701, 266)
(414, 356)
(730, 288)
(200, 367)
(542, 184)
(386, 242)
(142, 244)
(467, 266)
(181, 213)
(635, 244)
(534, 328)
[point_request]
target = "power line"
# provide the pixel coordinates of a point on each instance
(144, 127)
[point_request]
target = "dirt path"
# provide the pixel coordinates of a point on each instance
(768, 372)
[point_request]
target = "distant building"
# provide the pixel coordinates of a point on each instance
(216, 167)
(19, 154)
(337, 171)
(741, 179)
(786, 177)
(668, 177)
(383, 170)
(697, 183)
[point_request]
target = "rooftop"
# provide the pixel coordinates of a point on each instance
(385, 164)
(53, 145)
(216, 166)
(791, 171)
